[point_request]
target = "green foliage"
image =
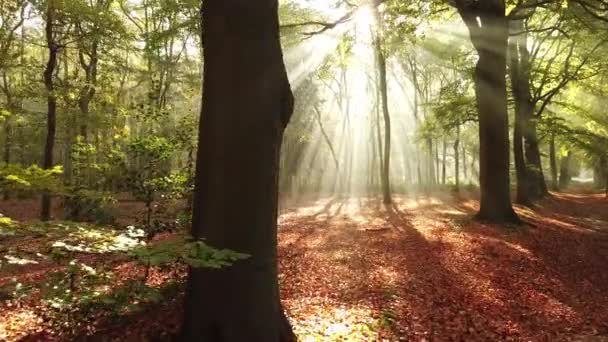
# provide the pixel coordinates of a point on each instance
(32, 179)
(194, 253)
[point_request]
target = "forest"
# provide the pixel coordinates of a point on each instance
(303, 170)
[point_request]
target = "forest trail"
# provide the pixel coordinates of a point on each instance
(422, 270)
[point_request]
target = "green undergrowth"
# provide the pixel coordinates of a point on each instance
(83, 280)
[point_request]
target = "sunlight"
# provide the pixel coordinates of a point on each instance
(364, 18)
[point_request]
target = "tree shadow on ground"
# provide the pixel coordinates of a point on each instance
(435, 274)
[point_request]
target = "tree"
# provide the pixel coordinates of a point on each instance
(53, 50)
(247, 103)
(488, 29)
(381, 67)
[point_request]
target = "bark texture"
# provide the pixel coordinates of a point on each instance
(488, 28)
(247, 102)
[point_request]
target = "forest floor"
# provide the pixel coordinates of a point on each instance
(353, 270)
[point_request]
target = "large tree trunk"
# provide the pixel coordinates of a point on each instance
(47, 161)
(538, 186)
(488, 28)
(247, 103)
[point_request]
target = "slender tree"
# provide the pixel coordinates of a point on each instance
(51, 123)
(381, 65)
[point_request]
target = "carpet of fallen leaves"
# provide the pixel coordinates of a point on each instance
(420, 270)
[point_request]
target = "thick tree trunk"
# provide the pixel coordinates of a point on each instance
(47, 161)
(488, 29)
(538, 186)
(553, 162)
(247, 103)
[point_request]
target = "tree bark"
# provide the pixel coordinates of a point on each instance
(564, 171)
(464, 163)
(553, 162)
(488, 28)
(538, 186)
(7, 149)
(521, 95)
(443, 162)
(53, 48)
(247, 102)
(381, 65)
(457, 159)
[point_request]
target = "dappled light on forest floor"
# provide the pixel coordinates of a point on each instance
(352, 269)
(431, 272)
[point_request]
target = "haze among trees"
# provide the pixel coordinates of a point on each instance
(303, 170)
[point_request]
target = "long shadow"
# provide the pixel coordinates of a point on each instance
(558, 259)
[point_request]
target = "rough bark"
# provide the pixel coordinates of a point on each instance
(488, 28)
(538, 186)
(247, 103)
(51, 64)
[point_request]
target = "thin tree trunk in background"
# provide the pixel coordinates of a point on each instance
(7, 149)
(247, 102)
(457, 159)
(443, 161)
(521, 96)
(430, 163)
(47, 163)
(488, 28)
(381, 65)
(437, 163)
(464, 163)
(553, 163)
(564, 171)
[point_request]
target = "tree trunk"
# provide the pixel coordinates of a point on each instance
(564, 171)
(381, 65)
(47, 163)
(443, 161)
(464, 163)
(538, 186)
(488, 28)
(247, 102)
(457, 159)
(521, 96)
(7, 148)
(553, 162)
